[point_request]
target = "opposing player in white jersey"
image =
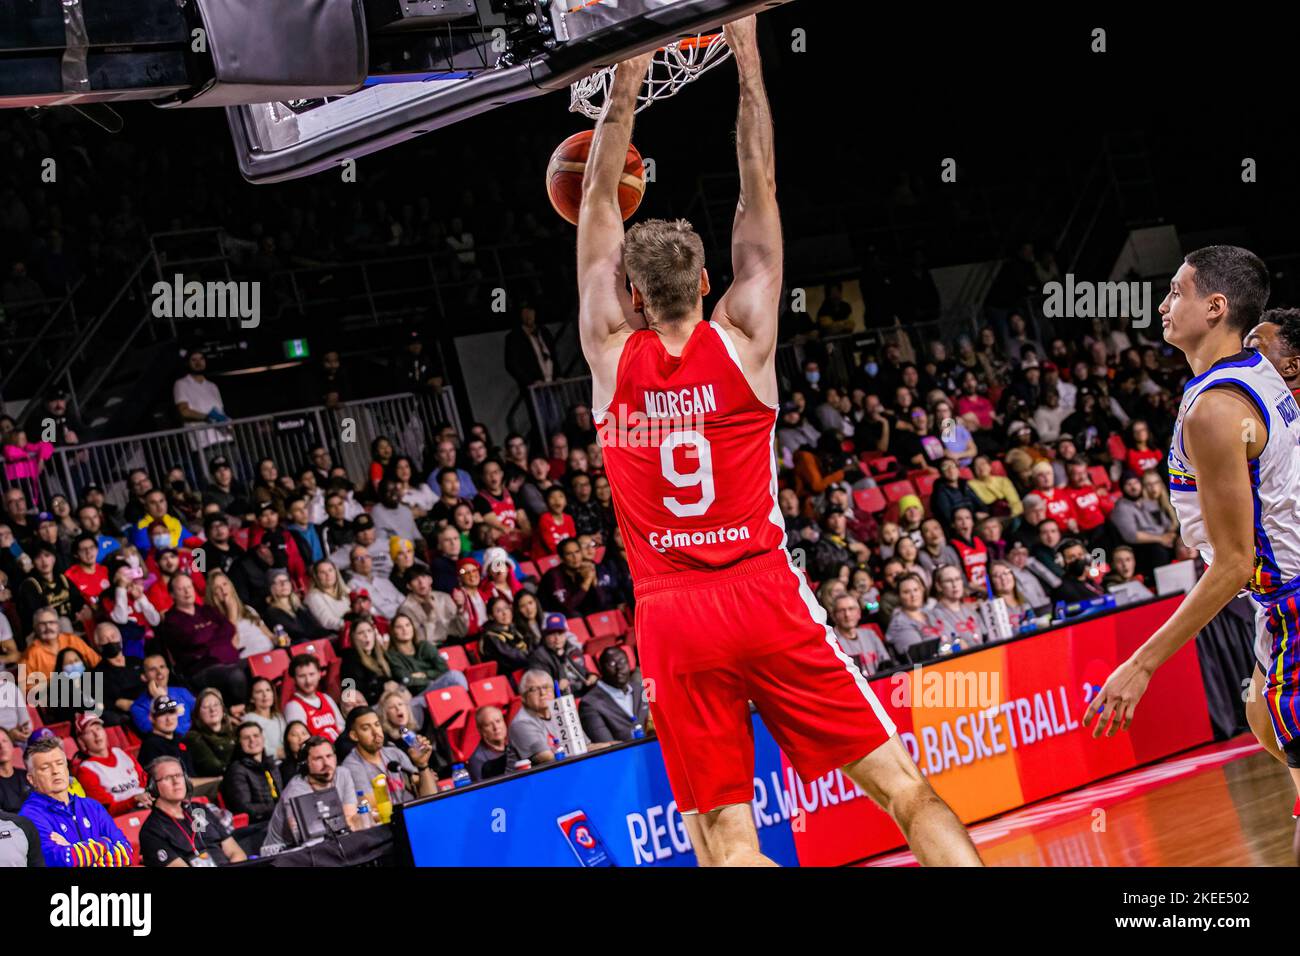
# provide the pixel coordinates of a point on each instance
(1277, 338)
(1234, 475)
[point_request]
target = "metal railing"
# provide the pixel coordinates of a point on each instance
(407, 420)
(551, 402)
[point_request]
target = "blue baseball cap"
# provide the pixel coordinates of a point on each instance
(555, 622)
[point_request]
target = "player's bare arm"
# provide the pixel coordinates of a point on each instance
(605, 314)
(1215, 434)
(750, 306)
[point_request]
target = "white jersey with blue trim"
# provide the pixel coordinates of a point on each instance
(1274, 475)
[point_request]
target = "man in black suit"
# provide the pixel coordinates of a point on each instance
(616, 703)
(530, 350)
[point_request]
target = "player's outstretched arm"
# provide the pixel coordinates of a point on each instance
(1214, 436)
(752, 302)
(604, 305)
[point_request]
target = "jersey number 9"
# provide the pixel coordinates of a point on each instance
(701, 477)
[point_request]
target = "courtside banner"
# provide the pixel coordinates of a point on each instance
(992, 729)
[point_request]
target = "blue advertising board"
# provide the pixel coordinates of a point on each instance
(611, 806)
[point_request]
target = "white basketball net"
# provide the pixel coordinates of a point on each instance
(673, 67)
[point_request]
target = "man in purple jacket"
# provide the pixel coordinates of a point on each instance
(74, 831)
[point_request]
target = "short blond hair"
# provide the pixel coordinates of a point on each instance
(664, 259)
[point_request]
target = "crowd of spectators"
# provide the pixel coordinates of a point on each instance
(912, 490)
(233, 643)
(929, 479)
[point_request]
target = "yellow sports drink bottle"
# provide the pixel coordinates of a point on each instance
(383, 803)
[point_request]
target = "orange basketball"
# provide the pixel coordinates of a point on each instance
(569, 162)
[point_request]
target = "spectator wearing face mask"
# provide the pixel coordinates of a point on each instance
(1076, 582)
(119, 675)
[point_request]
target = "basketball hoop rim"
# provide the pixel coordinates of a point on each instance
(698, 41)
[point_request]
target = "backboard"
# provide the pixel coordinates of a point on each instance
(418, 81)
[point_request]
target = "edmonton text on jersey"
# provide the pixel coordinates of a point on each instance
(661, 541)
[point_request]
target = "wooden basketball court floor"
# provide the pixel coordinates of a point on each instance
(1225, 804)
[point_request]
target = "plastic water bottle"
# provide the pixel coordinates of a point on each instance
(281, 636)
(460, 776)
(364, 819)
(408, 738)
(637, 731)
(560, 752)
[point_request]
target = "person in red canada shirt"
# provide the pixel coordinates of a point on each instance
(1058, 501)
(972, 550)
(87, 574)
(1139, 456)
(554, 526)
(1090, 505)
(108, 774)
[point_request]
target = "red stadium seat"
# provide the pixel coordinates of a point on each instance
(455, 656)
(869, 500)
(607, 624)
(493, 690)
(322, 650)
(130, 823)
(272, 665)
(449, 704)
(481, 671)
(578, 627)
(867, 457)
(516, 704)
(464, 740)
(630, 637)
(629, 614)
(631, 655)
(63, 729)
(1115, 445)
(1099, 476)
(35, 717)
(924, 480)
(547, 562)
(69, 749)
(529, 570)
(591, 664)
(874, 629)
(119, 737)
(598, 644)
(600, 554)
(997, 468)
(965, 473)
(898, 489)
(883, 464)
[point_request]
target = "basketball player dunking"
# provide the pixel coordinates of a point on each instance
(687, 412)
(1234, 479)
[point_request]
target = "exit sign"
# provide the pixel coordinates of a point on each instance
(296, 349)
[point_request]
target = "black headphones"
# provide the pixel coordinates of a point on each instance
(151, 787)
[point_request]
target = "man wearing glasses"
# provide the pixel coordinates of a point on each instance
(535, 732)
(181, 833)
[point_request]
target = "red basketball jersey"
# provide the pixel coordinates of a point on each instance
(688, 452)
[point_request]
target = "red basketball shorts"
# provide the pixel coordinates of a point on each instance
(710, 643)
